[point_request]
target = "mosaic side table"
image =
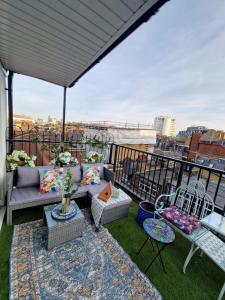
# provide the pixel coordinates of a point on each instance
(160, 233)
(65, 230)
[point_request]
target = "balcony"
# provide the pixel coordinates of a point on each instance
(144, 176)
(59, 42)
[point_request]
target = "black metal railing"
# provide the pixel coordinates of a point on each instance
(147, 175)
(40, 143)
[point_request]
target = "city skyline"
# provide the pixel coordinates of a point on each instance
(181, 74)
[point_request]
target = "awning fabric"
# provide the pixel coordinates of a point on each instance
(60, 40)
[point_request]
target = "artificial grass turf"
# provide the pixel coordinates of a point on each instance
(203, 279)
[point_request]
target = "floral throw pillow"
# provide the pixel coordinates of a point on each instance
(91, 175)
(47, 180)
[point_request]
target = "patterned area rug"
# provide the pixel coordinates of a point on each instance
(92, 267)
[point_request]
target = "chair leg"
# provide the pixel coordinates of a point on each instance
(190, 254)
(9, 216)
(222, 292)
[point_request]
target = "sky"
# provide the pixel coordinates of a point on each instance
(174, 64)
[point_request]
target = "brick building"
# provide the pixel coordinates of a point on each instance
(211, 144)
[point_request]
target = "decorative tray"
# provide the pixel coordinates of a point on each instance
(57, 213)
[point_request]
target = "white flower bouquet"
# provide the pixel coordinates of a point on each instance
(65, 158)
(94, 157)
(19, 158)
(64, 183)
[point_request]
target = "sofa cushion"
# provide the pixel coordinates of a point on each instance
(31, 194)
(27, 176)
(82, 189)
(91, 175)
(180, 219)
(100, 167)
(76, 173)
(95, 189)
(48, 180)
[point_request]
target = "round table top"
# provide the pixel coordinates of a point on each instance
(158, 230)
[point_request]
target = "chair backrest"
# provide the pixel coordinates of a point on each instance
(194, 200)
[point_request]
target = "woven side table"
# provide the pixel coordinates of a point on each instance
(62, 231)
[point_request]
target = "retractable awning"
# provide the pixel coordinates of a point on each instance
(60, 40)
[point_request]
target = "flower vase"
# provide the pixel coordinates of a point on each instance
(65, 204)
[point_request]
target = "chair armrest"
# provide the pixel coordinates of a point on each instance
(10, 177)
(160, 205)
(109, 175)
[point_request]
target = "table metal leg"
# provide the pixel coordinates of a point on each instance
(160, 257)
(157, 255)
(152, 244)
(142, 246)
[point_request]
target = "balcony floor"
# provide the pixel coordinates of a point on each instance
(203, 279)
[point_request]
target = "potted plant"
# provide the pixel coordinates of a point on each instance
(65, 158)
(62, 156)
(94, 157)
(19, 158)
(64, 184)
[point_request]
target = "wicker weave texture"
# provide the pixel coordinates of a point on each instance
(63, 231)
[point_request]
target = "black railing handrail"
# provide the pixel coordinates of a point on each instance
(179, 172)
(175, 160)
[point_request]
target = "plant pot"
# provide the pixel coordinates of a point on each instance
(145, 210)
(21, 163)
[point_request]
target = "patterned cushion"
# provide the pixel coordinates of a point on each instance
(91, 175)
(180, 219)
(100, 167)
(47, 180)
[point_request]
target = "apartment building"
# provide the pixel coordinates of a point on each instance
(165, 125)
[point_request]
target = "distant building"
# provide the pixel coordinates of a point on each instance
(192, 129)
(165, 125)
(52, 120)
(23, 121)
(210, 144)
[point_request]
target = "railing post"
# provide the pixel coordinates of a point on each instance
(10, 110)
(180, 175)
(110, 154)
(64, 115)
(115, 158)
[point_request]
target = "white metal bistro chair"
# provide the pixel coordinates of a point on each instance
(193, 200)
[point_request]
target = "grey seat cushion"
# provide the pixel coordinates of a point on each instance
(28, 176)
(30, 194)
(82, 189)
(97, 188)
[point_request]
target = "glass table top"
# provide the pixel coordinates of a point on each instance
(215, 222)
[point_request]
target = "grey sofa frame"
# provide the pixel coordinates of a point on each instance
(108, 176)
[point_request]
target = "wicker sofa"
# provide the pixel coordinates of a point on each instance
(23, 188)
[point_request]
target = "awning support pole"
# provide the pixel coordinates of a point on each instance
(10, 110)
(64, 115)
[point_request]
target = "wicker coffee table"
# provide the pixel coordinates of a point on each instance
(62, 231)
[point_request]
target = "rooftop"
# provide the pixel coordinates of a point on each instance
(59, 41)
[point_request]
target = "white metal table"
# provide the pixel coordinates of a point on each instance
(215, 222)
(211, 245)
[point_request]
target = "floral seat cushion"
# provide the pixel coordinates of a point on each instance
(180, 219)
